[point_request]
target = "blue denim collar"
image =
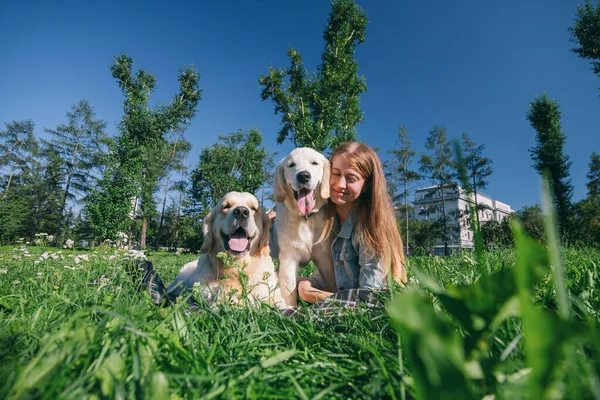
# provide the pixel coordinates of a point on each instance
(347, 228)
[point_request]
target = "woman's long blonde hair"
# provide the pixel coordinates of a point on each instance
(376, 222)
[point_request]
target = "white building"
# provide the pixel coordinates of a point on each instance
(428, 207)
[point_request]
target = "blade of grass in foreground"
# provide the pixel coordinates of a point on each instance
(554, 248)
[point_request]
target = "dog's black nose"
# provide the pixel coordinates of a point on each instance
(303, 177)
(241, 213)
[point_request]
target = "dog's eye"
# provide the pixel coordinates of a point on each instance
(315, 163)
(291, 165)
(254, 209)
(226, 207)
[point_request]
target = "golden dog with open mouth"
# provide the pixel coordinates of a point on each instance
(240, 228)
(301, 189)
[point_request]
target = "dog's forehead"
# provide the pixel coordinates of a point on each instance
(233, 199)
(304, 154)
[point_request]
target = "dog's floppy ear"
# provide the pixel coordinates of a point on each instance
(263, 241)
(325, 179)
(207, 241)
(279, 187)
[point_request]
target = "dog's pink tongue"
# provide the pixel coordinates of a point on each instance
(306, 201)
(238, 241)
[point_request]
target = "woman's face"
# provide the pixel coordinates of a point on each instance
(346, 184)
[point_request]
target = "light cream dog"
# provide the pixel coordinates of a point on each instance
(240, 228)
(301, 189)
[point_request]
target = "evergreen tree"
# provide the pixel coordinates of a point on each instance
(587, 211)
(593, 176)
(437, 167)
(401, 176)
(479, 168)
(548, 154)
(17, 146)
(81, 146)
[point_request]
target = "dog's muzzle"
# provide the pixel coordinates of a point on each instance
(238, 242)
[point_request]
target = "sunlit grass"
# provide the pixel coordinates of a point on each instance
(62, 338)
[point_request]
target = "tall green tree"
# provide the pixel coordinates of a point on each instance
(586, 32)
(180, 187)
(532, 220)
(425, 235)
(479, 168)
(593, 175)
(587, 211)
(438, 166)
(81, 144)
(266, 189)
(235, 163)
(179, 150)
(548, 154)
(144, 134)
(40, 189)
(322, 110)
(401, 176)
(107, 210)
(17, 146)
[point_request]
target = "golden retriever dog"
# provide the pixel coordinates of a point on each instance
(301, 189)
(238, 227)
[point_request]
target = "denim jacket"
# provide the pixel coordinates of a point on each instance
(355, 267)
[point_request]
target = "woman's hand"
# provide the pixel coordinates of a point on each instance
(308, 293)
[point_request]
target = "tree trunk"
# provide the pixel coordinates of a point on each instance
(176, 241)
(444, 219)
(406, 250)
(476, 203)
(162, 213)
(8, 183)
(63, 205)
(143, 233)
(66, 193)
(12, 170)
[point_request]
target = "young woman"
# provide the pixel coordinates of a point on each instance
(366, 246)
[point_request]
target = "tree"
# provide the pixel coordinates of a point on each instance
(235, 163)
(402, 176)
(438, 167)
(322, 111)
(479, 168)
(143, 134)
(532, 220)
(180, 149)
(106, 210)
(17, 146)
(496, 234)
(593, 175)
(80, 144)
(548, 154)
(181, 187)
(587, 211)
(425, 234)
(586, 32)
(266, 189)
(40, 190)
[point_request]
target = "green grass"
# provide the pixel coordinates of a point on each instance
(62, 338)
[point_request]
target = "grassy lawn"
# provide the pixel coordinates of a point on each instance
(62, 338)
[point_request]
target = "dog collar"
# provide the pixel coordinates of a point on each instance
(310, 214)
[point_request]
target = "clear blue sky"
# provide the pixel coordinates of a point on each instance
(470, 66)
